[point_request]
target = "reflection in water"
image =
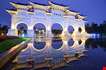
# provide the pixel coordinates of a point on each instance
(70, 42)
(49, 57)
(70, 29)
(95, 43)
(79, 42)
(57, 43)
(55, 59)
(39, 45)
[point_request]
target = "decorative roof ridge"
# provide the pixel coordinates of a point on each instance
(52, 3)
(20, 3)
(13, 9)
(55, 4)
(38, 3)
(72, 12)
(81, 17)
(21, 6)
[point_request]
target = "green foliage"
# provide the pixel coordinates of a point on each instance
(7, 44)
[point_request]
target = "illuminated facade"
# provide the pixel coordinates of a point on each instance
(48, 21)
(35, 18)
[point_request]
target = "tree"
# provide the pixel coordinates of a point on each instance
(0, 29)
(104, 26)
(5, 29)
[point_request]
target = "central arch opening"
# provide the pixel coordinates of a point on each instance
(22, 29)
(56, 29)
(79, 29)
(70, 29)
(39, 29)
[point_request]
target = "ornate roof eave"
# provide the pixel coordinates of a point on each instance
(20, 6)
(81, 17)
(57, 7)
(68, 12)
(37, 6)
(11, 12)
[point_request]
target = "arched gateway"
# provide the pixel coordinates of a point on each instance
(22, 29)
(56, 29)
(39, 29)
(53, 19)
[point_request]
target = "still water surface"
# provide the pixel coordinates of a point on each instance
(63, 54)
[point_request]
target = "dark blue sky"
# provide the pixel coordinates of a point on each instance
(94, 10)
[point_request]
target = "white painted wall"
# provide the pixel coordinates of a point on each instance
(40, 16)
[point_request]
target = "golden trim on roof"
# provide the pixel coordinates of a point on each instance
(40, 6)
(57, 7)
(81, 17)
(11, 11)
(68, 12)
(20, 6)
(45, 8)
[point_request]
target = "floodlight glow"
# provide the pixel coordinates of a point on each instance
(48, 16)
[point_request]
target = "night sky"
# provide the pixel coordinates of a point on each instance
(94, 10)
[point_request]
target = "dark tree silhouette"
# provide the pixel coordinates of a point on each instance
(0, 29)
(95, 28)
(3, 29)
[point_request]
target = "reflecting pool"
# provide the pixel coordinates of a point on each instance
(58, 53)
